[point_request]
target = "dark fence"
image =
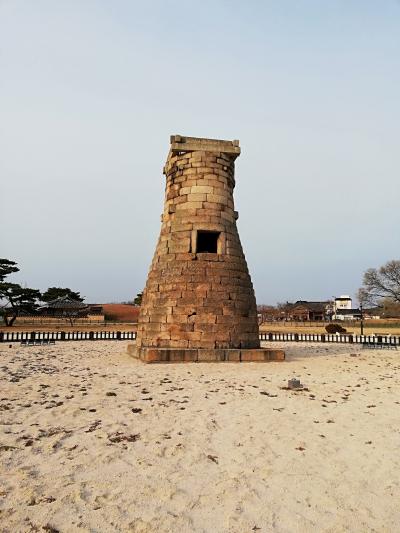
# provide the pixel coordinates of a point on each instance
(378, 340)
(19, 336)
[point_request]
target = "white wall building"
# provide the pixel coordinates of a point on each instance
(342, 309)
(342, 302)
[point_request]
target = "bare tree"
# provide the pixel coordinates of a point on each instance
(389, 308)
(380, 283)
(265, 312)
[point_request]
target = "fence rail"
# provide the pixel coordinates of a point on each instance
(18, 336)
(379, 340)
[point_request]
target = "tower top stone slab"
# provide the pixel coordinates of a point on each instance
(180, 143)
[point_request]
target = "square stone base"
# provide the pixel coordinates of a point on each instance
(185, 355)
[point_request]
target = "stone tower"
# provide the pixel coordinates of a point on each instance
(199, 303)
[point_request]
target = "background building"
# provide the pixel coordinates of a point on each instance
(343, 309)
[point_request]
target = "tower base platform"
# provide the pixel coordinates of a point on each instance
(198, 355)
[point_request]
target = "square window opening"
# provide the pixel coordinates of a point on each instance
(207, 242)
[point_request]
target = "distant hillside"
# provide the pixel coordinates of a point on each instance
(121, 312)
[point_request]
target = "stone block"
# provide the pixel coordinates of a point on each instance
(226, 215)
(190, 171)
(207, 168)
(188, 335)
(205, 328)
(189, 206)
(153, 328)
(178, 343)
(162, 336)
(261, 355)
(210, 356)
(200, 219)
(206, 318)
(177, 248)
(217, 198)
(178, 328)
(190, 182)
(182, 226)
(203, 344)
(215, 183)
(207, 257)
(208, 226)
(201, 181)
(176, 319)
(227, 319)
(178, 200)
(257, 355)
(276, 355)
(178, 237)
(182, 356)
(203, 189)
(212, 310)
(153, 355)
(185, 214)
(213, 209)
(233, 356)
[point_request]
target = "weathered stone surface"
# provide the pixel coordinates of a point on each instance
(203, 147)
(199, 301)
(210, 356)
(233, 356)
(204, 355)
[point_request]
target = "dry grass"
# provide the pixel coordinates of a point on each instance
(370, 327)
(120, 317)
(110, 326)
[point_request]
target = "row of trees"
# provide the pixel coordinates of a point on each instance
(16, 299)
(380, 288)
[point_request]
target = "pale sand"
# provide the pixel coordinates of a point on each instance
(214, 447)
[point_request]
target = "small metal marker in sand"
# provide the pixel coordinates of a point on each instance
(294, 384)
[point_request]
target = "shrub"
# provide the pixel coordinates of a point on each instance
(335, 328)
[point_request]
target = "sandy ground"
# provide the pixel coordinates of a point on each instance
(92, 440)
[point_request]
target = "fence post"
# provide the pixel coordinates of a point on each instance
(1, 336)
(63, 335)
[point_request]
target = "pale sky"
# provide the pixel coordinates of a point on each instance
(90, 92)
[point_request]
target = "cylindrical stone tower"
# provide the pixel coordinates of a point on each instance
(199, 303)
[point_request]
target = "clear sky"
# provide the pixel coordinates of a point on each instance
(90, 92)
